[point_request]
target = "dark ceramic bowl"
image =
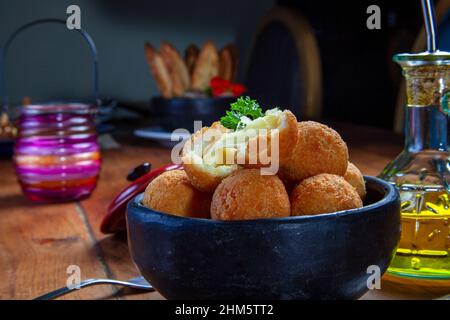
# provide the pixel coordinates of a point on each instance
(176, 113)
(310, 257)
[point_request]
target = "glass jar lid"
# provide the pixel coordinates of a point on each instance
(59, 107)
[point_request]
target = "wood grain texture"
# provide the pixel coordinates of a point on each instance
(38, 242)
(116, 164)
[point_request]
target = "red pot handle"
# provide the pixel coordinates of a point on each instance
(114, 220)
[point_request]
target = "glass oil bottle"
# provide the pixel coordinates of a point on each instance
(422, 170)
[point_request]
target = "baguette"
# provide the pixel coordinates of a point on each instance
(177, 69)
(225, 64)
(158, 70)
(190, 57)
(233, 50)
(206, 67)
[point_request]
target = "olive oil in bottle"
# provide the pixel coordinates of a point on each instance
(422, 171)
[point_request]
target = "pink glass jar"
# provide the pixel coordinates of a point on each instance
(57, 155)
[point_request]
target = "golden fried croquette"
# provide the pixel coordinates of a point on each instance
(287, 136)
(172, 193)
(324, 193)
(248, 195)
(319, 149)
(204, 175)
(208, 161)
(356, 179)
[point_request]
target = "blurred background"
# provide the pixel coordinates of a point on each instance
(318, 59)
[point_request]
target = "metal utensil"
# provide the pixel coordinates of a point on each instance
(430, 25)
(138, 283)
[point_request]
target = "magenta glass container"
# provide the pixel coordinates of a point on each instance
(56, 154)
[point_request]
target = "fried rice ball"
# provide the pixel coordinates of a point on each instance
(213, 153)
(286, 137)
(204, 176)
(356, 179)
(324, 193)
(248, 195)
(319, 149)
(172, 193)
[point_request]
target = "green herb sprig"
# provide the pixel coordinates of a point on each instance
(242, 107)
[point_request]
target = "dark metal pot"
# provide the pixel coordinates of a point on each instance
(176, 113)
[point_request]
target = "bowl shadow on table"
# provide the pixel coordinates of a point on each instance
(114, 249)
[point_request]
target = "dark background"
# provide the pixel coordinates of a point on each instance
(360, 81)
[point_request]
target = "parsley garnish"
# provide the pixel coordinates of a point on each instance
(242, 107)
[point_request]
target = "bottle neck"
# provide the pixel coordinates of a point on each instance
(425, 129)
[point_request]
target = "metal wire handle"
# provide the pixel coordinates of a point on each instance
(4, 50)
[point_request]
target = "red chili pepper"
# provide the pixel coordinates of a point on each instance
(238, 89)
(220, 86)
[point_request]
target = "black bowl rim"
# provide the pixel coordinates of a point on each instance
(391, 196)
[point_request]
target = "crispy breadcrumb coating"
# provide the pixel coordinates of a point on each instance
(319, 149)
(324, 193)
(248, 195)
(356, 179)
(172, 193)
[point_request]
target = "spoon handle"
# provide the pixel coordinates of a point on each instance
(138, 283)
(65, 290)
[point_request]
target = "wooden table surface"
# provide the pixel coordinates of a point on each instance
(38, 242)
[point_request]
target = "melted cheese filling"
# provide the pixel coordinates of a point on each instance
(220, 156)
